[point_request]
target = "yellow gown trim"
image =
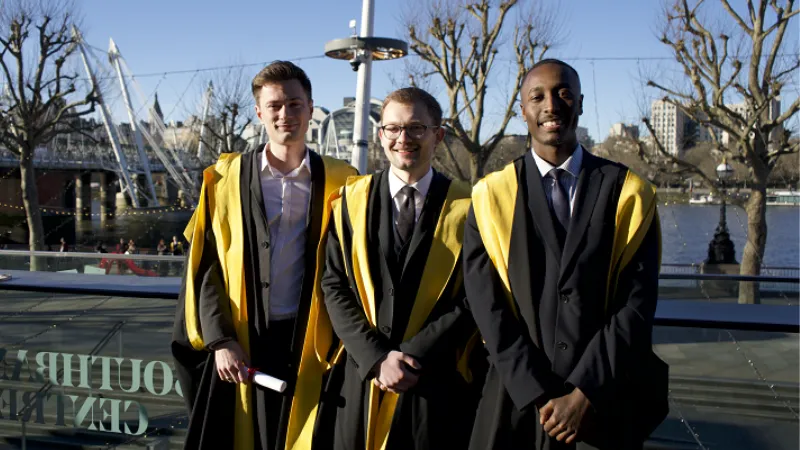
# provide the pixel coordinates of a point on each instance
(220, 199)
(439, 268)
(319, 330)
(495, 196)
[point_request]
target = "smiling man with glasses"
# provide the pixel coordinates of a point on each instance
(409, 147)
(394, 295)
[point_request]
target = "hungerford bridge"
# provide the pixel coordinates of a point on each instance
(145, 163)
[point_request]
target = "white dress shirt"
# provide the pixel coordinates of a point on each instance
(421, 186)
(569, 179)
(286, 200)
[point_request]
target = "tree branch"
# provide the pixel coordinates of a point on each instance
(794, 148)
(683, 164)
(790, 111)
(736, 16)
(781, 24)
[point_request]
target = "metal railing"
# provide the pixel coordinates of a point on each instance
(668, 270)
(775, 271)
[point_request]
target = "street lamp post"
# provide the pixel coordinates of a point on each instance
(721, 249)
(361, 51)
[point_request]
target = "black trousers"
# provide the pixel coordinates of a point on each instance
(272, 355)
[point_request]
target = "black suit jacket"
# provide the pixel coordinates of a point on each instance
(395, 284)
(564, 337)
(209, 399)
(436, 412)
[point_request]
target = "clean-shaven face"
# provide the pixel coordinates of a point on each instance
(406, 152)
(285, 110)
(551, 104)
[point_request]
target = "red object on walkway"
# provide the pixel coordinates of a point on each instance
(109, 263)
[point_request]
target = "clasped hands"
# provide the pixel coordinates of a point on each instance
(396, 372)
(562, 417)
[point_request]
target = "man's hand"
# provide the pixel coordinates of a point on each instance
(394, 372)
(562, 416)
(231, 362)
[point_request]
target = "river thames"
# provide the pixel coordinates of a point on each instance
(686, 231)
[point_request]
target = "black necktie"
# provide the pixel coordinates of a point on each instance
(559, 199)
(406, 216)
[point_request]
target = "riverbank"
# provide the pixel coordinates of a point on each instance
(682, 195)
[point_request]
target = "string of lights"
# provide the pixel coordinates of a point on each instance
(311, 57)
(127, 212)
(205, 69)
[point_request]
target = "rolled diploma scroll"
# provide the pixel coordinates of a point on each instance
(262, 379)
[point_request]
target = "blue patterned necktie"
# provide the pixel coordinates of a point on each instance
(559, 200)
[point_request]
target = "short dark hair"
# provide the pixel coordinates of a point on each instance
(281, 71)
(559, 62)
(411, 95)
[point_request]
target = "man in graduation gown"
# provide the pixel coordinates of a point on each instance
(561, 258)
(251, 270)
(394, 294)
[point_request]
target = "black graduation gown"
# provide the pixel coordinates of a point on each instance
(437, 413)
(560, 341)
(209, 399)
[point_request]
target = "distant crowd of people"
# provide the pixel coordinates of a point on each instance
(176, 247)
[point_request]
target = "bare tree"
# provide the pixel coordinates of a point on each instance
(452, 158)
(459, 43)
(786, 172)
(749, 64)
(625, 150)
(231, 111)
(39, 99)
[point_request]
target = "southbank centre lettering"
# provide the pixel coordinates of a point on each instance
(49, 373)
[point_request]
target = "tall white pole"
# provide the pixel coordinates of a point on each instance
(113, 56)
(112, 133)
(206, 105)
(361, 123)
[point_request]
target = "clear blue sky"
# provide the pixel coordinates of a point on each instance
(175, 35)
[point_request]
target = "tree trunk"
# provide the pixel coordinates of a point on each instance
(756, 243)
(477, 164)
(457, 171)
(33, 214)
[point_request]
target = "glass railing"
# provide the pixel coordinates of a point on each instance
(678, 281)
(86, 361)
(730, 389)
(143, 265)
(697, 281)
(88, 369)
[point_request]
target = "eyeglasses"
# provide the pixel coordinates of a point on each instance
(414, 131)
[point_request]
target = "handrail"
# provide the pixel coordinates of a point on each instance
(87, 255)
(728, 316)
(727, 277)
(675, 313)
(699, 265)
(112, 285)
(151, 257)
